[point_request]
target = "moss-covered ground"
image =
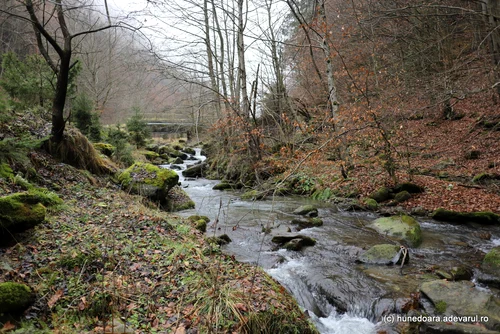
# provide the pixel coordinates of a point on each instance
(103, 257)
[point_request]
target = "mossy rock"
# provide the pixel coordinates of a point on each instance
(178, 161)
(6, 172)
(201, 225)
(412, 188)
(38, 195)
(481, 177)
(223, 186)
(221, 240)
(380, 195)
(283, 239)
(484, 217)
(150, 155)
(148, 180)
(195, 171)
(195, 218)
(370, 204)
(179, 200)
(491, 261)
(383, 254)
(306, 210)
(402, 196)
(17, 215)
(308, 222)
(401, 228)
(105, 148)
(15, 297)
(253, 195)
(189, 150)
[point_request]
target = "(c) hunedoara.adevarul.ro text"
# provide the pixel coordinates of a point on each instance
(392, 318)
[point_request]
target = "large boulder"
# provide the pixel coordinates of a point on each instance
(14, 297)
(21, 211)
(401, 228)
(179, 200)
(148, 180)
(383, 254)
(195, 171)
(462, 298)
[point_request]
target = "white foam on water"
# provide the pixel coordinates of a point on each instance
(344, 323)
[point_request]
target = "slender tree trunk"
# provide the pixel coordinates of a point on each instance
(242, 74)
(210, 58)
(333, 102)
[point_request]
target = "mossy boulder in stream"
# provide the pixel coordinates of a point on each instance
(490, 268)
(484, 217)
(463, 299)
(20, 211)
(178, 200)
(307, 222)
(14, 297)
(383, 254)
(293, 242)
(148, 180)
(197, 170)
(401, 228)
(306, 210)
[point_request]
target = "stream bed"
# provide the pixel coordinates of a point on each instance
(340, 295)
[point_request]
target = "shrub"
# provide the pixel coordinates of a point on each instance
(85, 118)
(138, 129)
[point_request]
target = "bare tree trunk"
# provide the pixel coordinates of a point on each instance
(491, 10)
(210, 59)
(333, 102)
(242, 74)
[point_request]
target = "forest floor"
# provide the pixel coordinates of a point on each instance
(456, 161)
(105, 261)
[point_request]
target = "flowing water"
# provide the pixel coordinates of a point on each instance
(340, 295)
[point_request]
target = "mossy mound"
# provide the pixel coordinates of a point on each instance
(105, 148)
(412, 188)
(370, 204)
(150, 155)
(19, 212)
(149, 180)
(14, 297)
(402, 196)
(484, 217)
(38, 195)
(401, 228)
(380, 195)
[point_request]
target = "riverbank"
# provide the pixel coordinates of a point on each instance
(107, 261)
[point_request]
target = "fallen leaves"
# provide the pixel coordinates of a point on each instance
(55, 297)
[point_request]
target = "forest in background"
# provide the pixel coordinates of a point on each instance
(338, 98)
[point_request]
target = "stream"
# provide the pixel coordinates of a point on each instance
(340, 295)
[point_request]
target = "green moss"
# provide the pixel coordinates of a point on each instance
(381, 195)
(222, 186)
(38, 195)
(482, 217)
(5, 171)
(14, 297)
(492, 258)
(150, 155)
(195, 218)
(201, 225)
(253, 195)
(104, 148)
(400, 228)
(441, 307)
(370, 204)
(141, 175)
(22, 182)
(18, 215)
(481, 177)
(402, 196)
